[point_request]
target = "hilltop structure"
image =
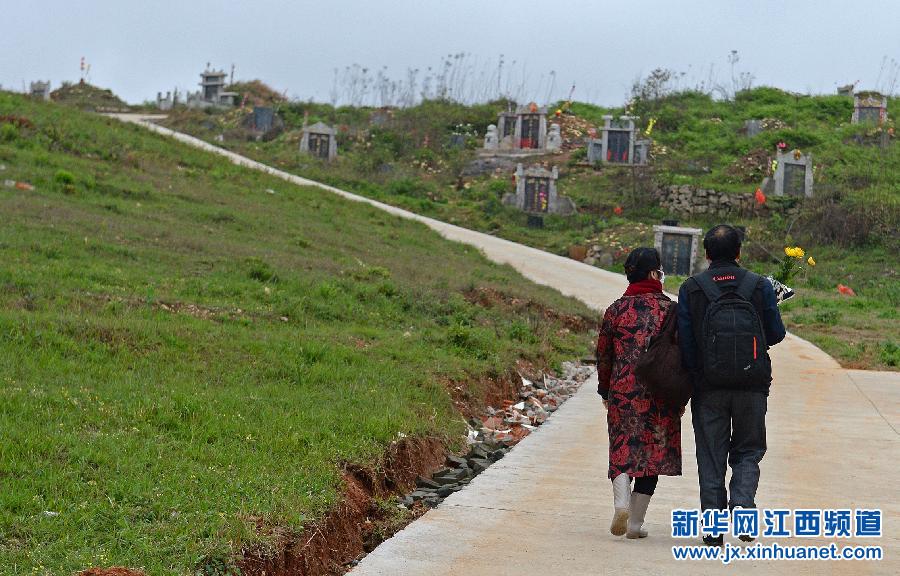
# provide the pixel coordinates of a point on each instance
(212, 91)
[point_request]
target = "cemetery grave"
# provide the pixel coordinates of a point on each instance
(319, 141)
(679, 248)
(536, 192)
(618, 143)
(40, 90)
(870, 108)
(793, 174)
(521, 132)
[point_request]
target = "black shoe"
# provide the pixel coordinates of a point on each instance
(713, 540)
(746, 538)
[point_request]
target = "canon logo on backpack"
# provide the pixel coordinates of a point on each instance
(724, 278)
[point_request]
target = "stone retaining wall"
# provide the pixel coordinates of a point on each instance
(687, 199)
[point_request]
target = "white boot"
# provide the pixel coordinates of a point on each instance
(621, 500)
(638, 510)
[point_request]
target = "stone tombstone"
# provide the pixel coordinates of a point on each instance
(164, 102)
(535, 221)
(641, 152)
(458, 141)
(794, 174)
(40, 90)
(869, 107)
(536, 192)
(524, 129)
(491, 140)
(506, 128)
(319, 141)
(619, 143)
(752, 127)
(846, 90)
(594, 150)
(381, 116)
(678, 248)
(263, 118)
(554, 137)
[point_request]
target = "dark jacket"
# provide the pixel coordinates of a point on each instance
(692, 303)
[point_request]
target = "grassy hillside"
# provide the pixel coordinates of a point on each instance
(189, 349)
(404, 157)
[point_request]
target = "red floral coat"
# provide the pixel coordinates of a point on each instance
(644, 434)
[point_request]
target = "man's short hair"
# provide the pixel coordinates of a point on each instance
(722, 242)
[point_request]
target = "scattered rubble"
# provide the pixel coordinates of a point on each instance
(18, 185)
(574, 130)
(491, 436)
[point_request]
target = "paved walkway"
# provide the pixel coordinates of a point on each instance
(545, 508)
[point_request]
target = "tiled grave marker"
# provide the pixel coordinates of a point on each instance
(263, 118)
(524, 129)
(678, 247)
(794, 174)
(40, 90)
(619, 143)
(536, 192)
(319, 141)
(869, 107)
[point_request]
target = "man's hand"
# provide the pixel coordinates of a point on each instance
(606, 404)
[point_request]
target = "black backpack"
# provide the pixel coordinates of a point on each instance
(734, 342)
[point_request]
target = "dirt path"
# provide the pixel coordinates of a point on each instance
(545, 508)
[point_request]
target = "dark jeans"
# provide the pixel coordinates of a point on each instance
(729, 428)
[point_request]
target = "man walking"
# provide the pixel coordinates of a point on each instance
(727, 319)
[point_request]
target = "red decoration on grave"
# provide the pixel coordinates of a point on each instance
(617, 210)
(760, 197)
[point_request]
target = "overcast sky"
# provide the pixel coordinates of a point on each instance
(137, 48)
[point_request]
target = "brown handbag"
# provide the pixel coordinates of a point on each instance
(659, 366)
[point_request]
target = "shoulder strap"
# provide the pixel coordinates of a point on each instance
(748, 285)
(709, 287)
(670, 323)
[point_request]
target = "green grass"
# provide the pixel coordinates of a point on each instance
(187, 347)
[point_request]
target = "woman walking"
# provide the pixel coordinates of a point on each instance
(644, 433)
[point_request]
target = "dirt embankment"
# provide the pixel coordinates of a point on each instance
(488, 297)
(356, 525)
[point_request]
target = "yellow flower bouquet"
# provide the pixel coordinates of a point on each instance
(792, 263)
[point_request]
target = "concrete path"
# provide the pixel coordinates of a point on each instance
(545, 508)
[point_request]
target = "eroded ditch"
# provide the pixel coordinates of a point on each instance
(416, 475)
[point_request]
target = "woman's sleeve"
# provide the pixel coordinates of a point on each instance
(605, 354)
